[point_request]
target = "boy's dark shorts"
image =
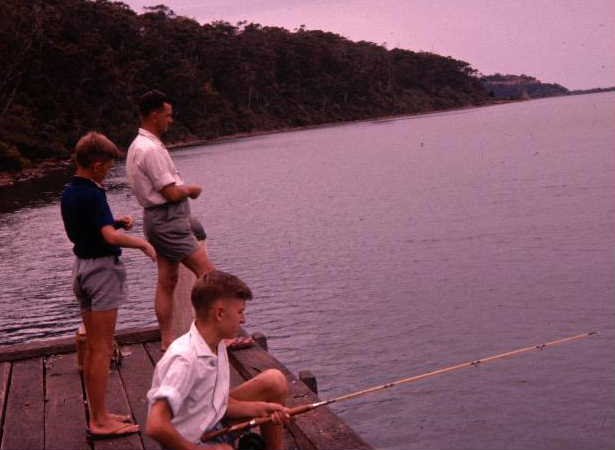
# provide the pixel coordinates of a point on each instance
(229, 438)
(99, 283)
(168, 228)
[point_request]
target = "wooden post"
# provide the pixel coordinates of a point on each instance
(183, 313)
(309, 379)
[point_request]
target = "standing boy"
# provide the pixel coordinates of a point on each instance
(164, 196)
(98, 272)
(191, 393)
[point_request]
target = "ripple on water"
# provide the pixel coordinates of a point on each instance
(372, 258)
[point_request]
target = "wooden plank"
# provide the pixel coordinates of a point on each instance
(136, 372)
(25, 409)
(236, 378)
(153, 350)
(5, 375)
(65, 418)
(321, 427)
(138, 335)
(117, 403)
(37, 349)
(64, 345)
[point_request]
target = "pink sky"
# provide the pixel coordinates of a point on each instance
(571, 42)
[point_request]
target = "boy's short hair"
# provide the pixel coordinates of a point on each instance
(95, 147)
(215, 285)
(152, 101)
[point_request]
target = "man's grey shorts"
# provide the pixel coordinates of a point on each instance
(99, 283)
(168, 229)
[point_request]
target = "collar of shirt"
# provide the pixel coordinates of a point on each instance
(201, 347)
(148, 134)
(82, 180)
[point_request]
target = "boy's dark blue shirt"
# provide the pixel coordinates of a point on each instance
(85, 211)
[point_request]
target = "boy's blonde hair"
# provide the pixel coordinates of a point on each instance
(95, 147)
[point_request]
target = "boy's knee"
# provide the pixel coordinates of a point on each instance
(100, 349)
(276, 383)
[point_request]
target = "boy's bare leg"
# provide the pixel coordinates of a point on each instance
(163, 303)
(100, 326)
(269, 386)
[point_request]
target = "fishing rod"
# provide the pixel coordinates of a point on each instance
(239, 427)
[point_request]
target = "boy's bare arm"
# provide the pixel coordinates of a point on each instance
(160, 428)
(116, 237)
(240, 408)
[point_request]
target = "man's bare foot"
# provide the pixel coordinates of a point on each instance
(165, 343)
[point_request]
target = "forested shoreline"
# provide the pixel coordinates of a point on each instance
(75, 65)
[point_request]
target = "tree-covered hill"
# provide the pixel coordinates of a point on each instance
(515, 87)
(74, 65)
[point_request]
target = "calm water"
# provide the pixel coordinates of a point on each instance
(384, 249)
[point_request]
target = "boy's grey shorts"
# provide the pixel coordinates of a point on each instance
(99, 283)
(169, 230)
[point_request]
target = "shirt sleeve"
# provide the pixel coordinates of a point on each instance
(102, 212)
(156, 169)
(176, 379)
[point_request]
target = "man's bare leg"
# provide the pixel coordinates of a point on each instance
(198, 261)
(268, 386)
(167, 280)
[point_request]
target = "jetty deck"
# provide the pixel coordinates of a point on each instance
(43, 403)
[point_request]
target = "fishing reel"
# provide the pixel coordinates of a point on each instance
(251, 441)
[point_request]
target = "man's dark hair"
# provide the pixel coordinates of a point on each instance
(152, 101)
(95, 147)
(216, 285)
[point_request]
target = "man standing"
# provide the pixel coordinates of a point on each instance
(164, 196)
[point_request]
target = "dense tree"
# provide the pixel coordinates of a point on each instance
(74, 65)
(514, 87)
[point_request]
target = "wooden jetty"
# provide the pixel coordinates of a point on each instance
(43, 404)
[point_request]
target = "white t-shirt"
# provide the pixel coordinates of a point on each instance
(149, 168)
(195, 383)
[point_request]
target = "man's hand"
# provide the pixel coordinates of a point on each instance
(194, 190)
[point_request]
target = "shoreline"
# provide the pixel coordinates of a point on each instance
(52, 166)
(36, 172)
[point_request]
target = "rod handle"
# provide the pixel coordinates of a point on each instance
(256, 421)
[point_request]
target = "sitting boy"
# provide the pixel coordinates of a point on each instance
(98, 272)
(190, 391)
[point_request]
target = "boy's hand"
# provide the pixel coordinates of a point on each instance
(125, 222)
(149, 250)
(278, 413)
